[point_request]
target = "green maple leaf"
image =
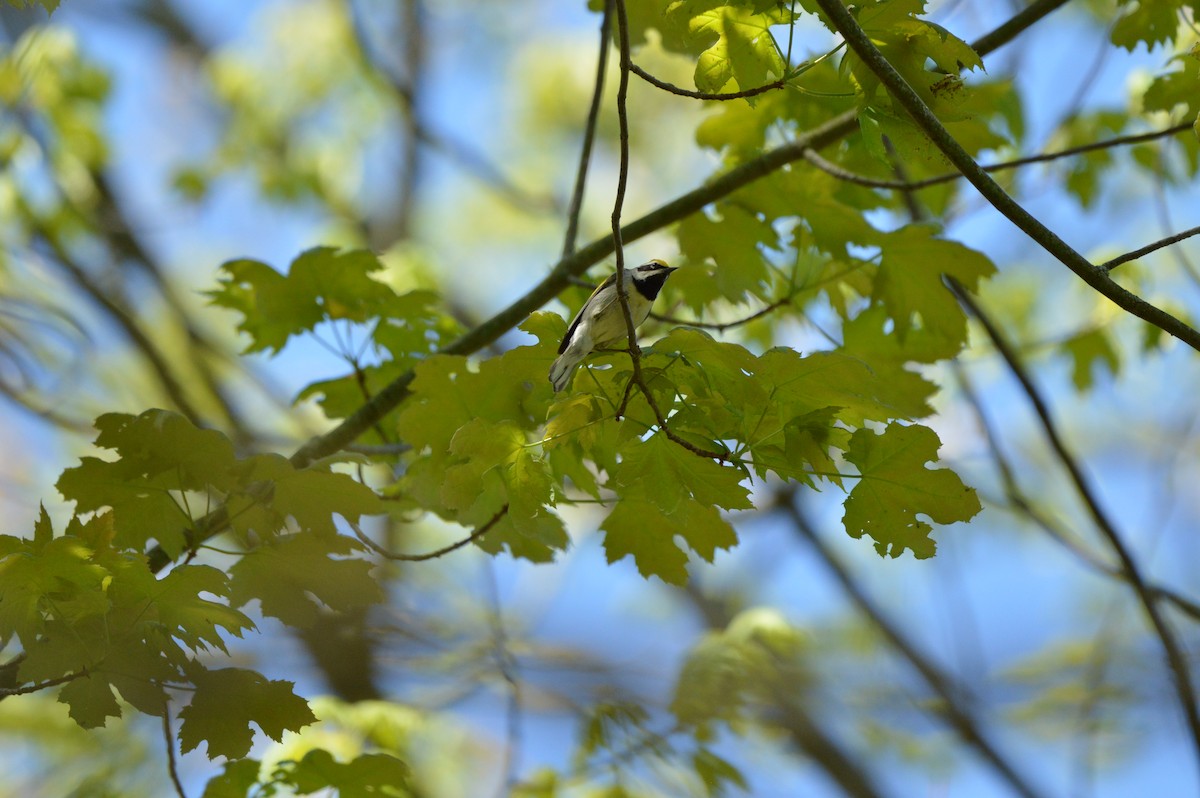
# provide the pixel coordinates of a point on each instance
(50, 5)
(910, 280)
(639, 527)
(664, 473)
(733, 242)
(1088, 349)
(163, 444)
(843, 380)
(33, 578)
(366, 776)
(482, 449)
(886, 358)
(536, 537)
(1148, 21)
(322, 284)
(734, 43)
(723, 367)
(292, 576)
(160, 452)
(799, 447)
(895, 487)
(192, 619)
(312, 497)
(90, 700)
(228, 700)
(235, 780)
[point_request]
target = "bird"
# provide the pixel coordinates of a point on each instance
(600, 324)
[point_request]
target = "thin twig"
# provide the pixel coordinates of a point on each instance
(635, 352)
(567, 269)
(589, 136)
(1009, 30)
(1019, 502)
(133, 330)
(703, 95)
(1177, 659)
(1146, 250)
(722, 326)
(925, 119)
(507, 665)
(841, 173)
(947, 688)
(432, 555)
(1163, 209)
(26, 689)
(169, 739)
(462, 154)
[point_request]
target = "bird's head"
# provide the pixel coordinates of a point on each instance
(648, 278)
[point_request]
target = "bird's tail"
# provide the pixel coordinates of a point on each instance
(560, 370)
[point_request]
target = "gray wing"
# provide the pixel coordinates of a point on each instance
(562, 347)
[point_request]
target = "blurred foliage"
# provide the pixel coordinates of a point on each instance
(806, 341)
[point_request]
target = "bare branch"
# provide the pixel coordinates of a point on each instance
(1146, 250)
(701, 95)
(26, 689)
(943, 684)
(589, 136)
(432, 555)
(1008, 31)
(817, 160)
(907, 98)
(569, 268)
(1177, 659)
(635, 352)
(169, 739)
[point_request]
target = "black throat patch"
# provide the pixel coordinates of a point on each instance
(650, 286)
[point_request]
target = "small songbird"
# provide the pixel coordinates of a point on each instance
(600, 324)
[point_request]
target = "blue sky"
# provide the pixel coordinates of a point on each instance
(983, 604)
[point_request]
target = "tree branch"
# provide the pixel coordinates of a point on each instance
(169, 739)
(1015, 26)
(576, 264)
(1019, 502)
(841, 173)
(701, 95)
(569, 268)
(635, 351)
(941, 683)
(589, 136)
(432, 555)
(908, 99)
(1177, 659)
(1146, 250)
(26, 689)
